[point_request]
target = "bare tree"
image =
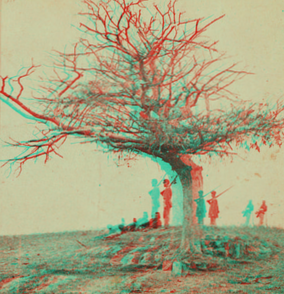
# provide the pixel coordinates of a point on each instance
(146, 80)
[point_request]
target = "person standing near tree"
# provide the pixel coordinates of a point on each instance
(261, 212)
(167, 196)
(214, 209)
(201, 208)
(155, 196)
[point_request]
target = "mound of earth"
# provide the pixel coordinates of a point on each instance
(231, 259)
(152, 247)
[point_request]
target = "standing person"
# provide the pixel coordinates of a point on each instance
(261, 212)
(167, 196)
(201, 208)
(155, 195)
(214, 209)
(247, 212)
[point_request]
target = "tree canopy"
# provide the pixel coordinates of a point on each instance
(145, 79)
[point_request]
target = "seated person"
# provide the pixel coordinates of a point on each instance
(130, 228)
(155, 222)
(143, 222)
(117, 228)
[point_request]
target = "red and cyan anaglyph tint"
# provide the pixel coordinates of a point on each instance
(145, 80)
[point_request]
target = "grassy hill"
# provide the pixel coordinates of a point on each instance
(90, 262)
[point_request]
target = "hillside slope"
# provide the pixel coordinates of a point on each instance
(89, 262)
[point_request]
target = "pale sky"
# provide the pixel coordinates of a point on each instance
(85, 189)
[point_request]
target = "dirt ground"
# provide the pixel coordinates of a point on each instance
(83, 262)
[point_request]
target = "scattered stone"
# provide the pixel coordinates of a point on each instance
(234, 248)
(136, 287)
(116, 259)
(179, 269)
(167, 265)
(158, 257)
(221, 252)
(199, 266)
(208, 251)
(146, 258)
(152, 239)
(132, 258)
(140, 249)
(237, 250)
(197, 246)
(212, 266)
(265, 250)
(115, 249)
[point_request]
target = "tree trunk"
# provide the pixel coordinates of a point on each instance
(188, 228)
(187, 225)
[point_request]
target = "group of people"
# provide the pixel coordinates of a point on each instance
(166, 193)
(136, 225)
(200, 214)
(201, 208)
(259, 214)
(167, 197)
(214, 210)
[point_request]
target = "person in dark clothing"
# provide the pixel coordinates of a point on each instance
(247, 212)
(214, 209)
(261, 212)
(156, 221)
(167, 196)
(201, 208)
